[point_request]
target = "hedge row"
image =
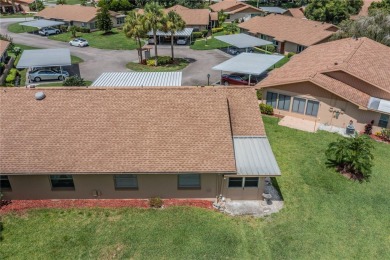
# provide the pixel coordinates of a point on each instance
(161, 60)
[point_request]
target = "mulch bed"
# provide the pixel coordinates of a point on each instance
(23, 205)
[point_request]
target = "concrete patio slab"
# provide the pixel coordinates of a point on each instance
(299, 123)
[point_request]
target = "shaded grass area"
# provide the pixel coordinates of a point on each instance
(179, 64)
(59, 84)
(326, 216)
(17, 28)
(280, 63)
(115, 41)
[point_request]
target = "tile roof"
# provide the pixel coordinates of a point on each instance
(85, 130)
(70, 13)
(3, 46)
(176, 7)
(286, 28)
(214, 16)
(190, 16)
(232, 7)
(296, 12)
(363, 58)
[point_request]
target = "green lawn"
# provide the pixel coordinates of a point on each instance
(178, 65)
(115, 41)
(326, 216)
(212, 43)
(17, 28)
(15, 15)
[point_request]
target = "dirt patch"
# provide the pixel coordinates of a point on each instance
(24, 205)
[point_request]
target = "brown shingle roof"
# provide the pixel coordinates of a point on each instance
(190, 16)
(79, 130)
(286, 28)
(70, 13)
(176, 7)
(3, 46)
(295, 12)
(363, 58)
(232, 7)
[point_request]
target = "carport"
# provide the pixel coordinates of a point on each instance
(249, 63)
(139, 79)
(44, 58)
(187, 32)
(42, 23)
(243, 41)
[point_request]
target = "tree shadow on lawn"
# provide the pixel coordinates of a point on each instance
(333, 164)
(109, 33)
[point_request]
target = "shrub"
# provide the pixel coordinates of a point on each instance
(290, 54)
(204, 33)
(259, 94)
(161, 60)
(155, 202)
(270, 48)
(196, 35)
(10, 79)
(63, 28)
(74, 81)
(385, 134)
(82, 29)
(218, 29)
(266, 109)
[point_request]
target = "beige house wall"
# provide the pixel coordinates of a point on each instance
(251, 193)
(327, 101)
(290, 47)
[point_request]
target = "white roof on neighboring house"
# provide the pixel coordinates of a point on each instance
(41, 23)
(185, 32)
(249, 63)
(242, 40)
(139, 79)
(273, 9)
(44, 58)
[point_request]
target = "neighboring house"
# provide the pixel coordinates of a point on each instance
(20, 6)
(3, 50)
(272, 10)
(289, 34)
(77, 15)
(84, 143)
(333, 83)
(296, 12)
(236, 10)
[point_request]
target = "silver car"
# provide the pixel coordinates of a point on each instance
(39, 75)
(48, 31)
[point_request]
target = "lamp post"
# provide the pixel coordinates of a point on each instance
(208, 79)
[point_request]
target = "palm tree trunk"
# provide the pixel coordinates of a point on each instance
(155, 47)
(140, 51)
(172, 46)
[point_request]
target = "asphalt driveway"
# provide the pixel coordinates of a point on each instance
(97, 61)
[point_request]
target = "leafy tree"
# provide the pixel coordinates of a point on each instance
(154, 20)
(352, 155)
(83, 2)
(61, 2)
(354, 6)
(74, 81)
(174, 23)
(135, 28)
(221, 17)
(73, 31)
(383, 5)
(120, 5)
(331, 11)
(376, 26)
(36, 6)
(104, 22)
(231, 28)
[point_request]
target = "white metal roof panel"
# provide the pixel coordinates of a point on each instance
(254, 156)
(41, 23)
(272, 9)
(249, 63)
(242, 40)
(378, 104)
(44, 58)
(186, 32)
(139, 79)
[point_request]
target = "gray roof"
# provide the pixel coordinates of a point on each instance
(271, 9)
(249, 63)
(41, 23)
(254, 156)
(44, 58)
(378, 104)
(138, 79)
(185, 32)
(242, 40)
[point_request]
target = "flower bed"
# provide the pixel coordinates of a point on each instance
(23, 205)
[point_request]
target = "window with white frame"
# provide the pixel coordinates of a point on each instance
(383, 121)
(312, 108)
(263, 37)
(243, 182)
(5, 185)
(284, 102)
(271, 98)
(299, 105)
(62, 182)
(120, 20)
(300, 48)
(189, 181)
(126, 181)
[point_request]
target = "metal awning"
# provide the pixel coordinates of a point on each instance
(186, 32)
(272, 9)
(42, 23)
(242, 40)
(44, 58)
(138, 79)
(249, 63)
(378, 104)
(254, 156)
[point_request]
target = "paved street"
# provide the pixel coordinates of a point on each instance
(97, 61)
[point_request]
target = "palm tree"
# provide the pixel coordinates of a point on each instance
(174, 23)
(135, 28)
(231, 28)
(154, 21)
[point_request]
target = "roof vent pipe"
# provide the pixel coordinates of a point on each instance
(40, 95)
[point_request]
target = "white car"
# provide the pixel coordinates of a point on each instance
(79, 42)
(182, 41)
(48, 31)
